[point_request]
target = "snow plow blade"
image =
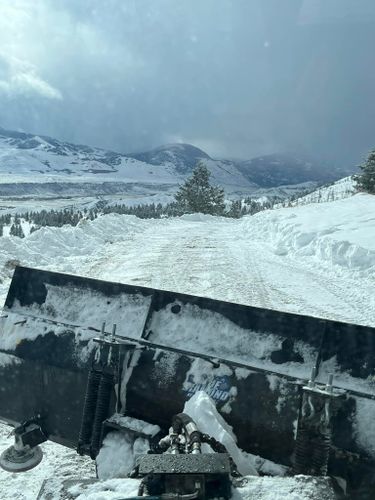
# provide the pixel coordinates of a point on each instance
(254, 363)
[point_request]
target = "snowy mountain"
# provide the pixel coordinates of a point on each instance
(27, 160)
(266, 171)
(184, 157)
(41, 159)
(281, 169)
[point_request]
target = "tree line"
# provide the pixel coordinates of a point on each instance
(196, 195)
(59, 218)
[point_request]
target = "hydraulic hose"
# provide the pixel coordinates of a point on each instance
(182, 420)
(218, 447)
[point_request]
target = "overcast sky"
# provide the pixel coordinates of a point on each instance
(238, 78)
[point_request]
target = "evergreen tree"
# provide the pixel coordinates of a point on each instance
(366, 179)
(16, 230)
(13, 230)
(235, 209)
(197, 194)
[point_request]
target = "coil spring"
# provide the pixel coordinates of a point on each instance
(320, 454)
(89, 407)
(302, 451)
(312, 451)
(101, 411)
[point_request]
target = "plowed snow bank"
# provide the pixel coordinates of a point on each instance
(341, 233)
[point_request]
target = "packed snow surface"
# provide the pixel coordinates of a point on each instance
(317, 259)
(58, 462)
(254, 488)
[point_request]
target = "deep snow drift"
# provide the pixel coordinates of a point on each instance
(316, 259)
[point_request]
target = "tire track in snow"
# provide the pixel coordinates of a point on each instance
(214, 258)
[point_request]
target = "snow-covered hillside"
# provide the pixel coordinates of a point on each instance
(343, 188)
(26, 158)
(32, 165)
(281, 169)
(29, 158)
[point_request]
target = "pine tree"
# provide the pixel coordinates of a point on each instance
(235, 209)
(16, 230)
(366, 180)
(197, 194)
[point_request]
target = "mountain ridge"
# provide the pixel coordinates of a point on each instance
(45, 159)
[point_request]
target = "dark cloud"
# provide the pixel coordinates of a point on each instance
(236, 77)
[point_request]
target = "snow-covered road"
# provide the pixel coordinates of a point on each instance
(218, 258)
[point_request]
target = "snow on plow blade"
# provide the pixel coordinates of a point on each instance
(253, 362)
